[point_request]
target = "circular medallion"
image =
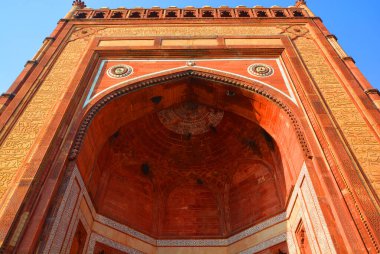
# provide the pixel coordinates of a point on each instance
(119, 71)
(190, 118)
(260, 70)
(297, 31)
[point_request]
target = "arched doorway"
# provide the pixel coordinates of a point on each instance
(190, 159)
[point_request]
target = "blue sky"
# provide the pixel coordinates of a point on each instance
(26, 23)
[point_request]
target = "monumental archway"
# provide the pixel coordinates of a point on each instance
(193, 130)
(191, 159)
(191, 133)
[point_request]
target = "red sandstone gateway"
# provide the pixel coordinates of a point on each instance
(195, 130)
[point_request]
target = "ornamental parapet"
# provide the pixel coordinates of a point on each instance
(206, 12)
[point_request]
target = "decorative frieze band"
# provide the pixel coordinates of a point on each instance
(189, 13)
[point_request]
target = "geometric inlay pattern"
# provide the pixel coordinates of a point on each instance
(260, 70)
(119, 71)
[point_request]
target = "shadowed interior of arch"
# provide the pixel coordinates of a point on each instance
(204, 160)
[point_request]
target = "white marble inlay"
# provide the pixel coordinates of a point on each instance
(266, 244)
(101, 239)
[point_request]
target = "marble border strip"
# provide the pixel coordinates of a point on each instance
(73, 225)
(60, 213)
(317, 220)
(66, 220)
(296, 190)
(266, 244)
(79, 218)
(193, 243)
(85, 194)
(253, 230)
(86, 227)
(290, 241)
(70, 236)
(311, 230)
(310, 213)
(98, 238)
(125, 229)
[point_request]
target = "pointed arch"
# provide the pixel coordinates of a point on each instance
(269, 94)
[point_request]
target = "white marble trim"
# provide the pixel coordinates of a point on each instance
(98, 238)
(59, 214)
(266, 244)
